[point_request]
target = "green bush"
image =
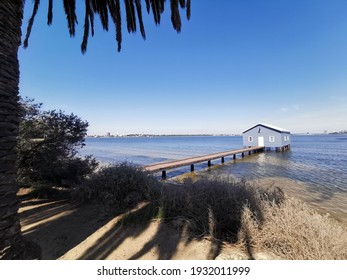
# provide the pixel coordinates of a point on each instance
(48, 146)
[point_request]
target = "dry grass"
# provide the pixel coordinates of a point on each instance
(214, 206)
(294, 231)
(253, 217)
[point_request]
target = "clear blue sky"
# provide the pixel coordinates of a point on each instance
(235, 63)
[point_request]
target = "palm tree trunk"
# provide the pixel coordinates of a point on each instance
(11, 240)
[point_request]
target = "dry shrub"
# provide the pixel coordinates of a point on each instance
(214, 206)
(293, 230)
(251, 216)
(118, 185)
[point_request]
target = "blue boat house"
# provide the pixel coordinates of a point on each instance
(267, 136)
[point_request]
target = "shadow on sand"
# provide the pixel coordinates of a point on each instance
(58, 226)
(84, 232)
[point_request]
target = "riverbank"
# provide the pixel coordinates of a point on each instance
(68, 234)
(69, 231)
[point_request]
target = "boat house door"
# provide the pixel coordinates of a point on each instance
(261, 141)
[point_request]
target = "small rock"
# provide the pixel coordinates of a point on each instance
(238, 255)
(266, 256)
(232, 256)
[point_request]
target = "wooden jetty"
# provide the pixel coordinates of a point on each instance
(163, 166)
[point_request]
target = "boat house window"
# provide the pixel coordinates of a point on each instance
(272, 139)
(250, 139)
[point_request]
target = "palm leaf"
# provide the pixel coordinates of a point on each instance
(101, 7)
(104, 8)
(130, 15)
(188, 9)
(175, 15)
(70, 12)
(114, 8)
(148, 5)
(50, 12)
(86, 27)
(155, 11)
(139, 16)
(31, 22)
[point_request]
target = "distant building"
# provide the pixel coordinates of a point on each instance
(267, 136)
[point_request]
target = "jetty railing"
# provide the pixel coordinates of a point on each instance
(164, 166)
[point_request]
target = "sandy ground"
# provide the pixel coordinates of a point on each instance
(64, 231)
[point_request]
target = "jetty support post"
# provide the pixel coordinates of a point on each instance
(234, 156)
(243, 154)
(192, 168)
(222, 160)
(163, 174)
(209, 163)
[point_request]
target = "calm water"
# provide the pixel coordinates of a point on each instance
(315, 169)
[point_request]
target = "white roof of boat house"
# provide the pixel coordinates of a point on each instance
(276, 128)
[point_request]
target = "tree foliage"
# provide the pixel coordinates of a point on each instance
(48, 146)
(112, 9)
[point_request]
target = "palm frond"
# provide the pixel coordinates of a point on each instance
(31, 22)
(86, 27)
(70, 12)
(161, 5)
(101, 7)
(148, 5)
(175, 15)
(114, 8)
(130, 15)
(50, 12)
(188, 9)
(139, 16)
(91, 19)
(155, 11)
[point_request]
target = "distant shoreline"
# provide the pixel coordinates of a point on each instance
(160, 135)
(202, 135)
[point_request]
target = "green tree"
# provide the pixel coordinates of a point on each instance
(12, 245)
(48, 146)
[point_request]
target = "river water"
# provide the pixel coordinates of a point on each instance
(314, 170)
